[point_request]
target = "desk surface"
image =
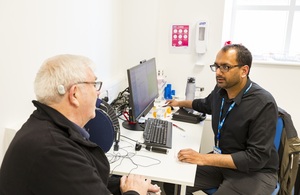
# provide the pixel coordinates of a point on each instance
(156, 166)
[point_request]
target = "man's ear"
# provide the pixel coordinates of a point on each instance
(245, 71)
(73, 95)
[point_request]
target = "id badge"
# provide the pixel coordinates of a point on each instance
(217, 150)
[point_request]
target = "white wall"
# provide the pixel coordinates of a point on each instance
(139, 30)
(146, 32)
(282, 81)
(33, 30)
(180, 66)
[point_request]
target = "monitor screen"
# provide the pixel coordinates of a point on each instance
(143, 89)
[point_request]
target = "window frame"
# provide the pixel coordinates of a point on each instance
(231, 9)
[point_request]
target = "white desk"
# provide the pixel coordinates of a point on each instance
(169, 169)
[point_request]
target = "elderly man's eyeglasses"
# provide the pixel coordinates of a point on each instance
(223, 68)
(97, 84)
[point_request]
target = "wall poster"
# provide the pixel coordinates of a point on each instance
(180, 35)
(180, 38)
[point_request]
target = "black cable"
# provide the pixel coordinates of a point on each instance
(129, 138)
(130, 155)
(120, 96)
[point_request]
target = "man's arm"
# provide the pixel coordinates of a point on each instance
(183, 103)
(217, 160)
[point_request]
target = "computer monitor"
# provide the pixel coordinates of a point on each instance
(143, 90)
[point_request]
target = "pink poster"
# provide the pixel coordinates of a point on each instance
(180, 35)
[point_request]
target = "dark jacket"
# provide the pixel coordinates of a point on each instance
(48, 155)
(289, 154)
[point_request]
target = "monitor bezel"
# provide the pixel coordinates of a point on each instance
(132, 122)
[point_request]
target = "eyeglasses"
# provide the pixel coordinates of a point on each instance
(97, 84)
(223, 68)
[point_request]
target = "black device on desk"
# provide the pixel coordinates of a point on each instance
(188, 115)
(158, 133)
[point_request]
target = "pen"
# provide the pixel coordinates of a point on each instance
(158, 150)
(178, 127)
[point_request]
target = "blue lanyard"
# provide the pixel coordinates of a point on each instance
(221, 122)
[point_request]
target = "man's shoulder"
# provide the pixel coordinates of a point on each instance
(262, 93)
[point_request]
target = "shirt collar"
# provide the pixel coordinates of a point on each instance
(238, 98)
(82, 131)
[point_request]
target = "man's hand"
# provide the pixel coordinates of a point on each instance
(217, 160)
(190, 156)
(183, 103)
(173, 103)
(137, 183)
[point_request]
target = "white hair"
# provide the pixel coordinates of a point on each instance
(65, 70)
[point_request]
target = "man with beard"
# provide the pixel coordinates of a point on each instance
(244, 116)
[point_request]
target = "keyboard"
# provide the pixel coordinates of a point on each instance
(158, 133)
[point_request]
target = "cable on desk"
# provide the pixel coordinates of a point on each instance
(129, 138)
(129, 155)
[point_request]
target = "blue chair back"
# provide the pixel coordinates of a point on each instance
(279, 128)
(101, 130)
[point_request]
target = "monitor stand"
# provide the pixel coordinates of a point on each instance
(132, 126)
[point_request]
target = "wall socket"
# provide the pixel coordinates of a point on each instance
(160, 72)
(199, 92)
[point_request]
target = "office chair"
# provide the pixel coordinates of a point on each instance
(279, 128)
(104, 128)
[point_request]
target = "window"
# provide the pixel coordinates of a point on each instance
(269, 28)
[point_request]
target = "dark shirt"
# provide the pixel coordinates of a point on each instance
(249, 128)
(82, 131)
(49, 155)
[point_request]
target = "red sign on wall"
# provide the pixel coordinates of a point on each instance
(180, 35)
